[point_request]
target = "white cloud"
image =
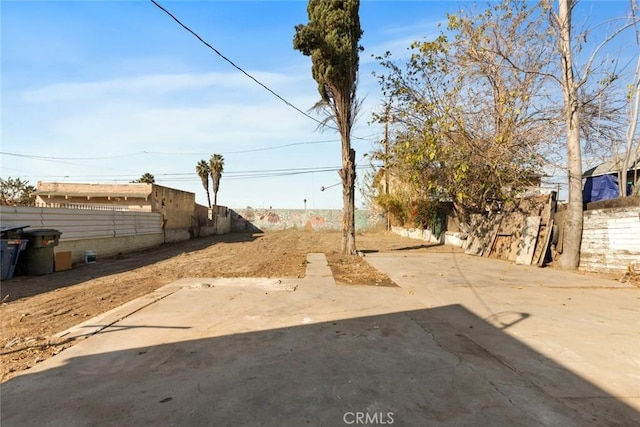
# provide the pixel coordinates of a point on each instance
(177, 120)
(153, 85)
(149, 109)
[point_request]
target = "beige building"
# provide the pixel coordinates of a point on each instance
(176, 206)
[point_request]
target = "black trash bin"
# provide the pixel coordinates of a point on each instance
(38, 257)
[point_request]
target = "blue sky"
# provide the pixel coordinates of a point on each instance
(107, 91)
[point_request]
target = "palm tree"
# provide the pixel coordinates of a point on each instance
(216, 166)
(147, 178)
(202, 169)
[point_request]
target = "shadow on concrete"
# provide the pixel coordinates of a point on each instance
(507, 318)
(426, 246)
(102, 329)
(26, 286)
(422, 367)
(404, 248)
(118, 327)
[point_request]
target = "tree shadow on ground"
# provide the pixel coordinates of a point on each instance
(416, 247)
(404, 248)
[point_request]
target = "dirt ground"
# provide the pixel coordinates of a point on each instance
(34, 309)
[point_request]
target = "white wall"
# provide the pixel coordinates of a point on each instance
(611, 239)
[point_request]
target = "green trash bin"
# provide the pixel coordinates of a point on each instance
(38, 258)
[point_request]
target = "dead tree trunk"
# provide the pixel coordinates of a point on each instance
(572, 238)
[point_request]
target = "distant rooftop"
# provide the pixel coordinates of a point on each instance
(610, 167)
(67, 189)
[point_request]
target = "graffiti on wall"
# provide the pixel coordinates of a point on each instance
(259, 220)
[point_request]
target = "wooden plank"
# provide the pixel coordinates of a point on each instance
(489, 247)
(491, 234)
(542, 235)
(501, 246)
(474, 247)
(527, 243)
(547, 242)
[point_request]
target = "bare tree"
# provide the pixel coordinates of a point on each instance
(630, 135)
(467, 120)
(574, 105)
(570, 258)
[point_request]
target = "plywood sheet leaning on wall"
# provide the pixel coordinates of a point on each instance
(545, 244)
(527, 243)
(481, 234)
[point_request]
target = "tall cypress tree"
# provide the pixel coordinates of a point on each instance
(331, 39)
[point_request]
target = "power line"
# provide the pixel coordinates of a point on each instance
(279, 146)
(165, 153)
(59, 160)
(250, 150)
(139, 153)
(321, 123)
(234, 65)
(230, 175)
(31, 156)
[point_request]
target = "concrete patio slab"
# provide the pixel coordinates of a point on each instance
(438, 350)
(586, 324)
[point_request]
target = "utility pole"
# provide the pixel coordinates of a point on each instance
(386, 160)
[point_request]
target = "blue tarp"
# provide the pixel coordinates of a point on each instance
(603, 187)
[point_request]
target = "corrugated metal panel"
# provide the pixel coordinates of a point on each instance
(83, 224)
(611, 239)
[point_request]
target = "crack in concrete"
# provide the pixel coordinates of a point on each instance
(496, 388)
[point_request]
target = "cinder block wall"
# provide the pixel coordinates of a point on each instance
(108, 247)
(176, 206)
(220, 222)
